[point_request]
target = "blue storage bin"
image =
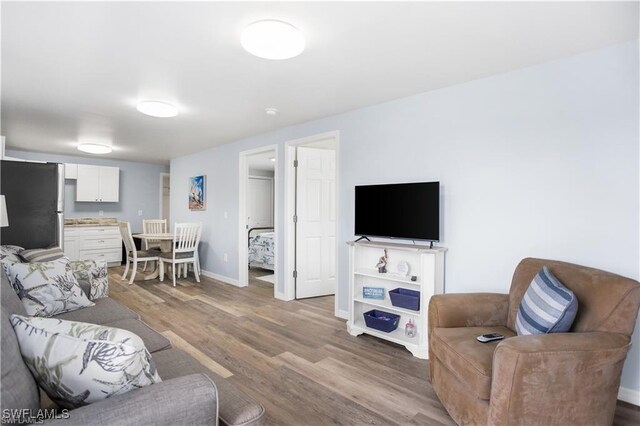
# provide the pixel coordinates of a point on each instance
(381, 320)
(405, 298)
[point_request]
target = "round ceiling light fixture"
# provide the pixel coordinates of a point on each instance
(94, 148)
(271, 111)
(271, 39)
(157, 109)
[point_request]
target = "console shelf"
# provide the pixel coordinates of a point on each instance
(427, 264)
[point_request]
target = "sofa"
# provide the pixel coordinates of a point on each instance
(540, 379)
(188, 394)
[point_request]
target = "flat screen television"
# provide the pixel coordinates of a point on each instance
(400, 210)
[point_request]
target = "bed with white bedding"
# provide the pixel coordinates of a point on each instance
(262, 251)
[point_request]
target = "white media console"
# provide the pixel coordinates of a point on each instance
(426, 264)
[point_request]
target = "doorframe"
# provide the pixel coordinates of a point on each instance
(289, 210)
(243, 250)
(162, 176)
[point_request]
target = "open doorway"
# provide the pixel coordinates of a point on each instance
(165, 196)
(311, 202)
(258, 218)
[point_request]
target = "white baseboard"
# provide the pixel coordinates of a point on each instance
(219, 277)
(282, 296)
(629, 395)
(342, 314)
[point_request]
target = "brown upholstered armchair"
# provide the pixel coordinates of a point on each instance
(562, 378)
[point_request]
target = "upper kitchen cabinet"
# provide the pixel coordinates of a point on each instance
(98, 184)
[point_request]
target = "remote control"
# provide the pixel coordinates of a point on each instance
(485, 338)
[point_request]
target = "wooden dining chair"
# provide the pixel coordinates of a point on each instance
(152, 226)
(133, 255)
(186, 238)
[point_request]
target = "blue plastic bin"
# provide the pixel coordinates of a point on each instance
(381, 320)
(405, 298)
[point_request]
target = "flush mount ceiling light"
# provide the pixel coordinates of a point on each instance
(94, 148)
(272, 159)
(271, 111)
(271, 39)
(157, 109)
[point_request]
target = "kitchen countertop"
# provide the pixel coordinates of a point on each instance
(89, 221)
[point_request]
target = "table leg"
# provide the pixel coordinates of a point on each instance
(154, 273)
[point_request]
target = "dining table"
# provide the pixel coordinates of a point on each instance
(166, 245)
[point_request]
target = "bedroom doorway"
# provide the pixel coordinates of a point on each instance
(311, 201)
(257, 217)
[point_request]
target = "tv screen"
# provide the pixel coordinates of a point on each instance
(402, 210)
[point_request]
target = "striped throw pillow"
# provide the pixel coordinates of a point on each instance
(547, 306)
(42, 254)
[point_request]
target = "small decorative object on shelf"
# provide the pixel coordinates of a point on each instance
(382, 263)
(410, 329)
(414, 278)
(403, 268)
(373, 293)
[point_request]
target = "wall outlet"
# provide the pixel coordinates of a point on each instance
(139, 212)
(225, 257)
(226, 215)
(101, 213)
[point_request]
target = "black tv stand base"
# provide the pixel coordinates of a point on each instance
(363, 238)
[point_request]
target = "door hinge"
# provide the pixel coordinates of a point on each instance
(295, 274)
(295, 163)
(295, 219)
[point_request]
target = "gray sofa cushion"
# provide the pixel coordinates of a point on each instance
(19, 388)
(234, 406)
(11, 303)
(105, 311)
(153, 340)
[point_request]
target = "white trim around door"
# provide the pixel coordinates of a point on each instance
(290, 208)
(243, 250)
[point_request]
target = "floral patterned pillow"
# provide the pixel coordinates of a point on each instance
(92, 273)
(78, 363)
(9, 253)
(46, 288)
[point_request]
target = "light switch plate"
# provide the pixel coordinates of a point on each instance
(139, 212)
(101, 213)
(225, 257)
(226, 215)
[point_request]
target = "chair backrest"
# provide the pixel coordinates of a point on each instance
(606, 302)
(127, 239)
(154, 226)
(187, 237)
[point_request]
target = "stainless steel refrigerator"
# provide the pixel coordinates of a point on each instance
(34, 194)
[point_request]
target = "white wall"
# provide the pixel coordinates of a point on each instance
(542, 161)
(139, 188)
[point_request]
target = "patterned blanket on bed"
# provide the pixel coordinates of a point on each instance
(262, 249)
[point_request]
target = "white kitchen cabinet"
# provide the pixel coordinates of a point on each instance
(98, 184)
(70, 171)
(93, 243)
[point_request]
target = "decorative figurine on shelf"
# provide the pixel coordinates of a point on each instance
(410, 329)
(382, 263)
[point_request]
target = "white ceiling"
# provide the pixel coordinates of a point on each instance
(74, 71)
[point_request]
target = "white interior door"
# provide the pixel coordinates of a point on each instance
(259, 202)
(316, 222)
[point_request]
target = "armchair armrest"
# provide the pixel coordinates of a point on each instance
(560, 378)
(191, 399)
(468, 310)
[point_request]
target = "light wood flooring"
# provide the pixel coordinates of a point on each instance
(295, 357)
